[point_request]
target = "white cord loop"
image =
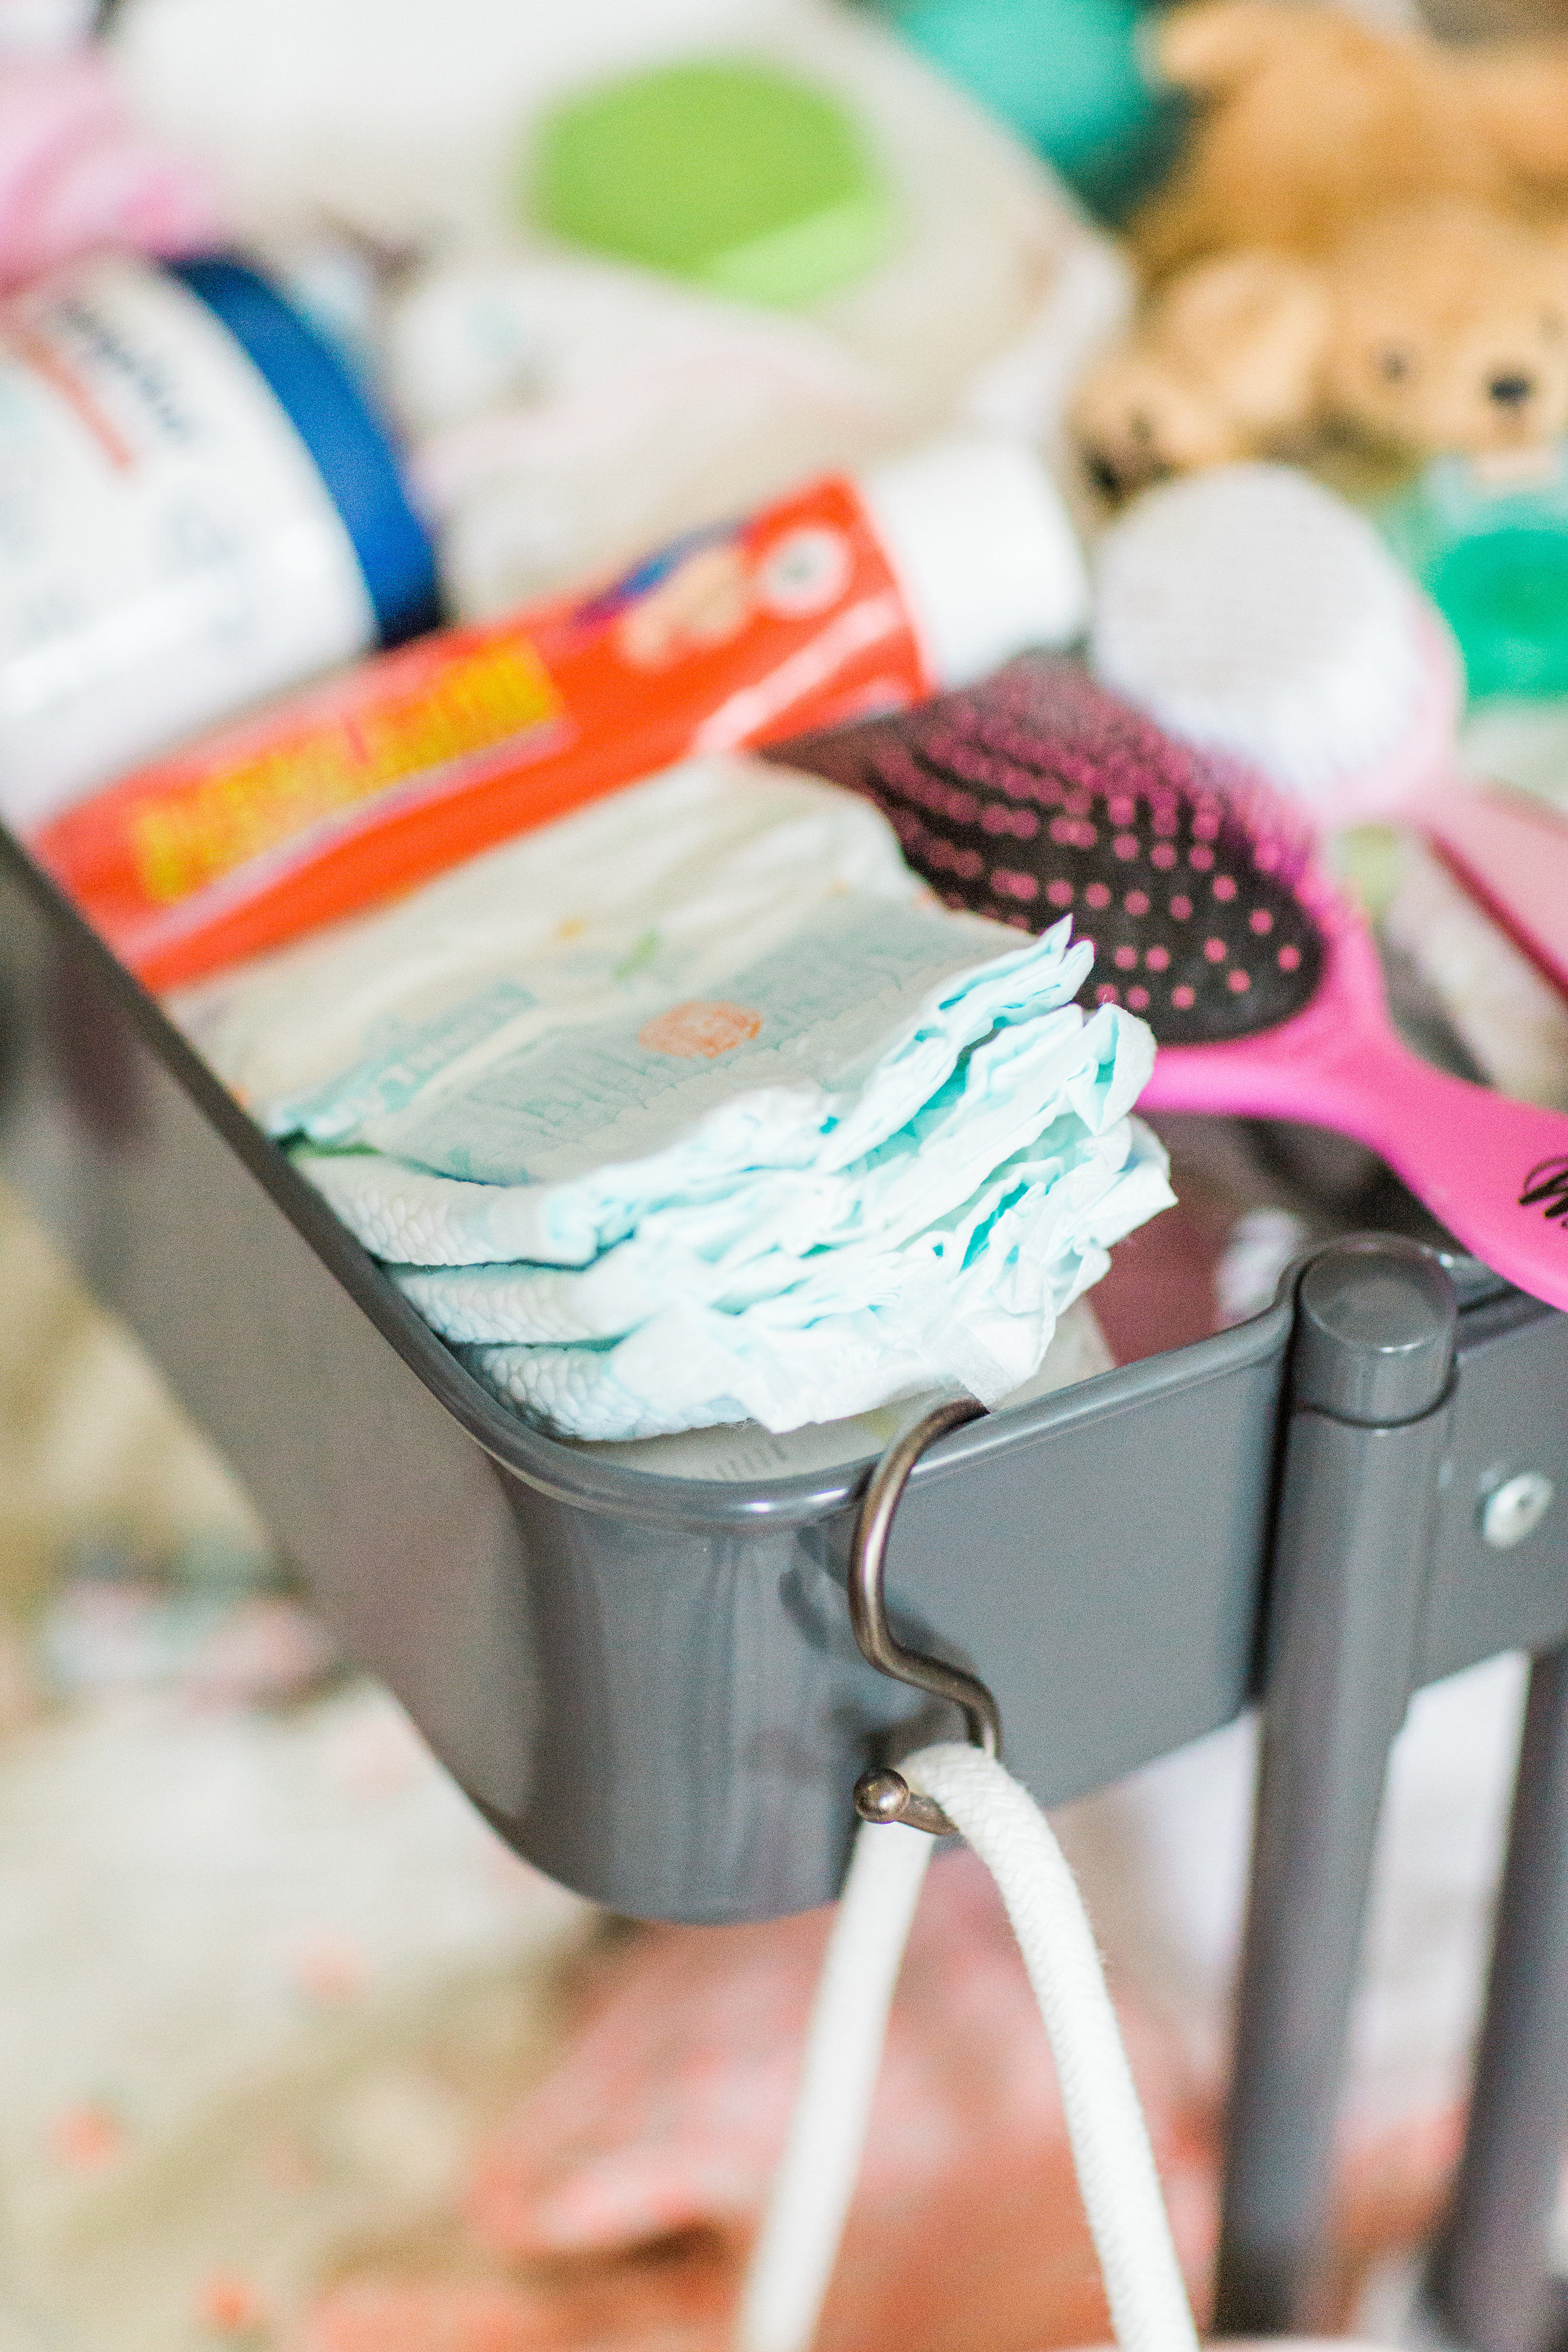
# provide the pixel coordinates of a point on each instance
(798, 2244)
(794, 2256)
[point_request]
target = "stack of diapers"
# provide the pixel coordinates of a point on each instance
(695, 1108)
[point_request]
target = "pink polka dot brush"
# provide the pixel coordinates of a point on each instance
(1041, 794)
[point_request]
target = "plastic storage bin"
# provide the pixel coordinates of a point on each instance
(649, 1685)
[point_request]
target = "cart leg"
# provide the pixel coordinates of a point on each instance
(1371, 1370)
(1488, 2284)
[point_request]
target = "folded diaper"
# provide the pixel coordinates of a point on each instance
(695, 1108)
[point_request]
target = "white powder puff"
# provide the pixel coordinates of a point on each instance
(1252, 612)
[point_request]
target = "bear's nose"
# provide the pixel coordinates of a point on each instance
(1510, 391)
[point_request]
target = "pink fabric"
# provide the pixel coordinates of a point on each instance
(615, 2208)
(76, 177)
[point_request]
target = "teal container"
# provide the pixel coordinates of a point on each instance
(1495, 562)
(1069, 76)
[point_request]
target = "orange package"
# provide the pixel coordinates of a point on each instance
(852, 596)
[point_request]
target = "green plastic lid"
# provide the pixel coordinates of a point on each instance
(722, 171)
(1505, 597)
(1495, 562)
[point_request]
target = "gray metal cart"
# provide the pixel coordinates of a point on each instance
(650, 1686)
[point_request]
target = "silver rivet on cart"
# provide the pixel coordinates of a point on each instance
(1516, 1508)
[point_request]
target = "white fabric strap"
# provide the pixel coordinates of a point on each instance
(794, 2257)
(1115, 2165)
(799, 2240)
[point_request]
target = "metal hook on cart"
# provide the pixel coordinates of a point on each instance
(882, 1794)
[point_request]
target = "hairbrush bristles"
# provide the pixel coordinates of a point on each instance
(1041, 794)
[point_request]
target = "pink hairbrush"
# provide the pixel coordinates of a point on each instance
(1040, 795)
(1254, 615)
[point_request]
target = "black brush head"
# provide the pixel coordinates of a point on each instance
(1038, 794)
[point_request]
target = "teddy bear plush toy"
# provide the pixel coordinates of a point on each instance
(1368, 230)
(1433, 326)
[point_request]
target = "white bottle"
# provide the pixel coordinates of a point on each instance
(196, 509)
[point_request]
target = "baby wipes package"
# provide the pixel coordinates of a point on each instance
(694, 1108)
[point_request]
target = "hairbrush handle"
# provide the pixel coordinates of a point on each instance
(1511, 855)
(1494, 1171)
